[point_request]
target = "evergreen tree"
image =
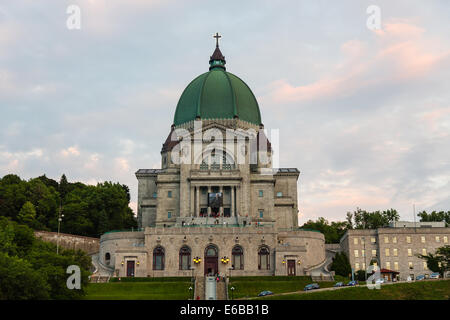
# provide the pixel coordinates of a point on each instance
(27, 214)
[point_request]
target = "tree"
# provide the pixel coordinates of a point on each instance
(333, 231)
(438, 262)
(435, 216)
(341, 264)
(362, 219)
(360, 275)
(27, 214)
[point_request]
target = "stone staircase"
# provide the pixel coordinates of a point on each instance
(199, 289)
(222, 290)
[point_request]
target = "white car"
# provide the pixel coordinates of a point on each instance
(379, 281)
(434, 275)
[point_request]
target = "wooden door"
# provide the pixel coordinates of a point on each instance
(291, 267)
(130, 268)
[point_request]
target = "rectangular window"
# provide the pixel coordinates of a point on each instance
(445, 239)
(388, 265)
(408, 239)
(155, 195)
(261, 193)
(169, 194)
(409, 252)
(356, 266)
(386, 239)
(374, 252)
(261, 214)
(422, 238)
(424, 252)
(394, 240)
(279, 194)
(437, 239)
(364, 266)
(395, 252)
(387, 252)
(363, 253)
(356, 253)
(355, 240)
(425, 266)
(410, 265)
(169, 214)
(396, 266)
(373, 240)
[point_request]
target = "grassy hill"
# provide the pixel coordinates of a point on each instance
(246, 287)
(422, 290)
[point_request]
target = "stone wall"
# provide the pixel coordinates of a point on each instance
(70, 241)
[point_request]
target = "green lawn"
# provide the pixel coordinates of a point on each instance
(146, 290)
(246, 287)
(423, 290)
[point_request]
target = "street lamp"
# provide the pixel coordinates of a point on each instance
(190, 290)
(232, 290)
(60, 216)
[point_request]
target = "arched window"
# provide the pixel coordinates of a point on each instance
(107, 258)
(237, 258)
(264, 258)
(158, 258)
(211, 251)
(185, 258)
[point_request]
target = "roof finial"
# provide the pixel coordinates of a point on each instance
(217, 36)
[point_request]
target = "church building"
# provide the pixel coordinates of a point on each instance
(217, 205)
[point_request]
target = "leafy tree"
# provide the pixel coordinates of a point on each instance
(362, 219)
(435, 216)
(332, 231)
(438, 262)
(341, 264)
(31, 269)
(27, 214)
(360, 275)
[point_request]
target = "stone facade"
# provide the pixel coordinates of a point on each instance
(217, 203)
(394, 248)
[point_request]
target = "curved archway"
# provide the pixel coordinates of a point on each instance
(211, 260)
(107, 258)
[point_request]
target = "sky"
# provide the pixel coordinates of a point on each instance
(363, 113)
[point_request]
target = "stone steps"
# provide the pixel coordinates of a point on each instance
(199, 290)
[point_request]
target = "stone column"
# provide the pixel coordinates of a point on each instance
(233, 213)
(221, 208)
(207, 199)
(192, 207)
(238, 201)
(197, 202)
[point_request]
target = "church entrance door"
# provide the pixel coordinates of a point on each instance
(291, 267)
(130, 268)
(211, 260)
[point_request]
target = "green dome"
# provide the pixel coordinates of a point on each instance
(217, 94)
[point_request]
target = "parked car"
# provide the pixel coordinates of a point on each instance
(352, 283)
(339, 284)
(311, 286)
(420, 277)
(435, 275)
(380, 281)
(265, 293)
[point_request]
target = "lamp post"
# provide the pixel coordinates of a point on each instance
(232, 290)
(191, 290)
(60, 216)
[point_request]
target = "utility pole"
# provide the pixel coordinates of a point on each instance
(60, 216)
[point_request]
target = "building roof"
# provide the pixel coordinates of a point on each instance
(388, 271)
(217, 94)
